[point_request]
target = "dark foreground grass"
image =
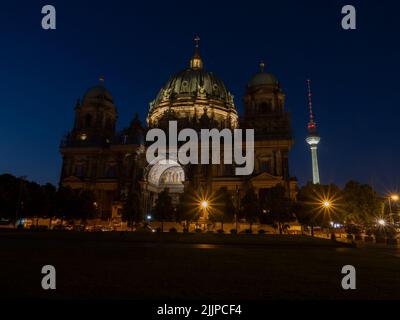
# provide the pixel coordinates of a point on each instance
(196, 266)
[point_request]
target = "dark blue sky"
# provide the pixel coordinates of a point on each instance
(137, 46)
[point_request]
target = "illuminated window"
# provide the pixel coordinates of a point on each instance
(88, 120)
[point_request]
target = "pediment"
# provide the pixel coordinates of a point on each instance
(71, 179)
(266, 176)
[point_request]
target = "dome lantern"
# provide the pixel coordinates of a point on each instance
(196, 62)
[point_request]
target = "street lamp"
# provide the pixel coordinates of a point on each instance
(326, 204)
(20, 202)
(392, 197)
(381, 222)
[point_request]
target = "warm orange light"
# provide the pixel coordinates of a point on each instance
(326, 204)
(394, 197)
(204, 204)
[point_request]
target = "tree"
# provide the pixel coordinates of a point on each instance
(361, 203)
(250, 207)
(278, 207)
(309, 209)
(66, 204)
(36, 202)
(86, 205)
(223, 208)
(70, 204)
(132, 210)
(163, 210)
(10, 188)
(188, 208)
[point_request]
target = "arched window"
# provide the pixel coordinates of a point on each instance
(109, 124)
(265, 107)
(88, 121)
(264, 165)
(80, 170)
(111, 171)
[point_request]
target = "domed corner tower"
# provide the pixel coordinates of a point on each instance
(264, 111)
(96, 117)
(90, 161)
(191, 94)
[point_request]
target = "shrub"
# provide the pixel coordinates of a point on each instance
(368, 239)
(379, 233)
(261, 231)
(173, 230)
(220, 231)
(248, 231)
(198, 230)
(353, 229)
(233, 231)
(185, 230)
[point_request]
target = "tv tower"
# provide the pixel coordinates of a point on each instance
(313, 137)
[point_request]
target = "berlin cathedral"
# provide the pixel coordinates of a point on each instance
(113, 163)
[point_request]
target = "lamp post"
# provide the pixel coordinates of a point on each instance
(326, 205)
(22, 180)
(395, 198)
(237, 207)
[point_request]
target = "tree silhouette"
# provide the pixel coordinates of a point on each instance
(250, 207)
(163, 209)
(278, 207)
(222, 209)
(132, 211)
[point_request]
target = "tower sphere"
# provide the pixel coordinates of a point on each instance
(313, 140)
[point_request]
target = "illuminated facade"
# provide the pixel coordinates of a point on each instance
(113, 164)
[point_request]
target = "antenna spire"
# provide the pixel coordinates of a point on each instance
(311, 123)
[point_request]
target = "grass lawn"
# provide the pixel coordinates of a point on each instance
(191, 266)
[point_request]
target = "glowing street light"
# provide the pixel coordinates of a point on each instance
(326, 204)
(395, 198)
(204, 204)
(381, 222)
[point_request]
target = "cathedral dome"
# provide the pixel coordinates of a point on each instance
(192, 92)
(263, 78)
(98, 92)
(194, 82)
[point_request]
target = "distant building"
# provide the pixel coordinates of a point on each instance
(112, 164)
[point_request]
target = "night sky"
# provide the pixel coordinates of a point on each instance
(138, 46)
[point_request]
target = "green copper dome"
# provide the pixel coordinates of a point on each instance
(194, 82)
(98, 93)
(263, 78)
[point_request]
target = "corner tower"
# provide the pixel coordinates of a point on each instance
(264, 111)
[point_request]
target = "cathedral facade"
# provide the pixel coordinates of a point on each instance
(113, 164)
